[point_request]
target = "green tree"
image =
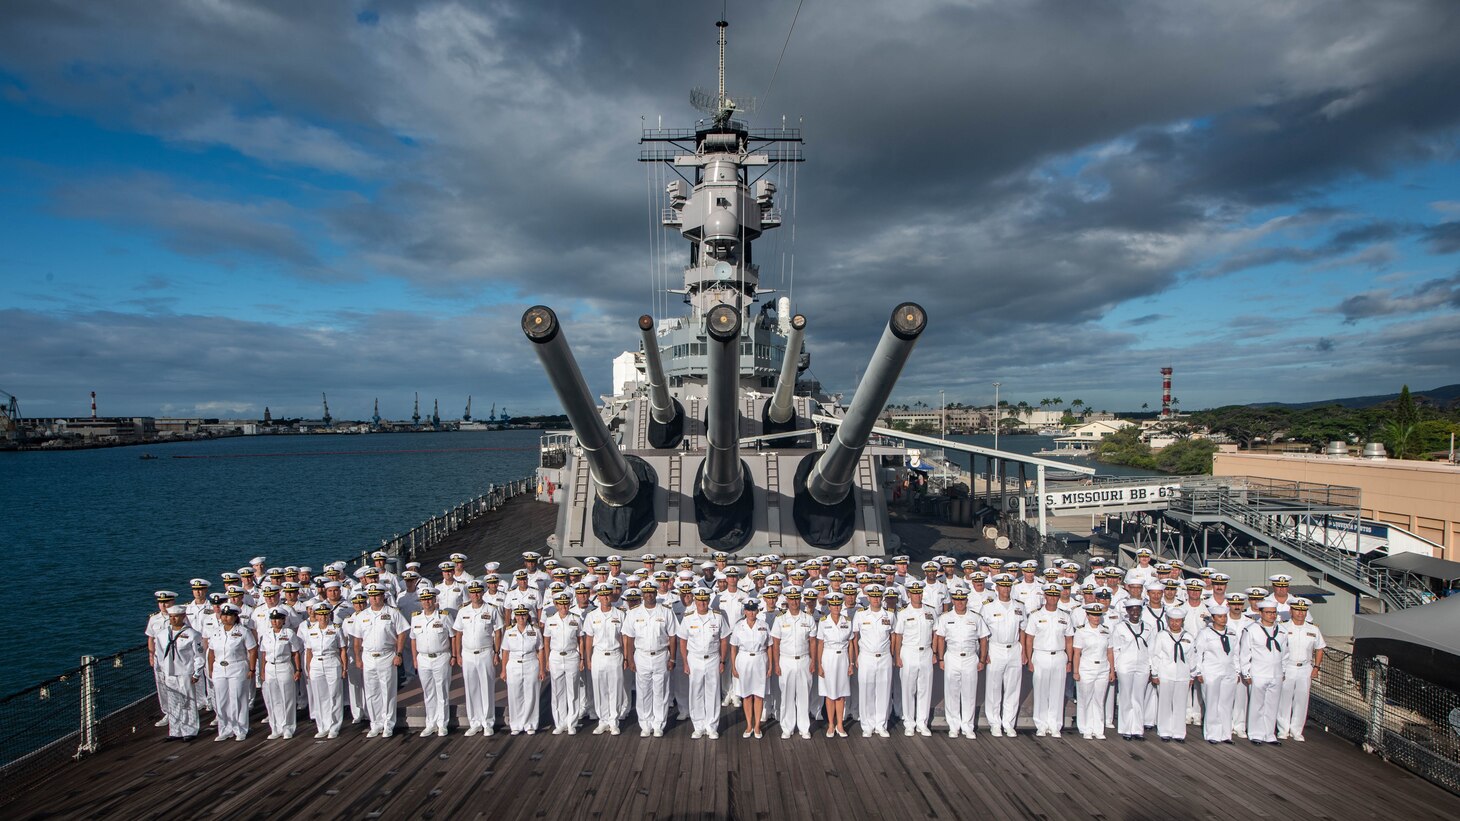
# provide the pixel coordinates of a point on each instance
(1124, 447)
(1404, 411)
(1187, 457)
(1400, 440)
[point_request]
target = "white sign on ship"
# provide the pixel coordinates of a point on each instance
(1106, 497)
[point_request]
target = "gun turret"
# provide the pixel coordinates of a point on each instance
(781, 410)
(615, 483)
(831, 478)
(661, 404)
(723, 480)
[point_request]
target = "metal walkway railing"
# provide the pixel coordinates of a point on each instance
(1218, 503)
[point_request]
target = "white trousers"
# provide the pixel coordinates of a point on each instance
(874, 690)
(651, 680)
(960, 691)
(564, 679)
(280, 697)
(523, 690)
(479, 675)
(380, 691)
(435, 676)
(180, 705)
(1171, 697)
(1262, 708)
(1001, 696)
(679, 680)
(1090, 693)
(608, 690)
(1218, 691)
(1292, 711)
(916, 676)
(1049, 690)
(230, 697)
(326, 695)
(355, 688)
(1240, 696)
(795, 686)
(704, 691)
(1130, 697)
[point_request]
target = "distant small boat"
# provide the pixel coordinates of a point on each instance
(147, 456)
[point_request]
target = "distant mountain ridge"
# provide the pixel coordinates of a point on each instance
(1440, 396)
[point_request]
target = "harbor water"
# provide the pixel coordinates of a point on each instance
(91, 534)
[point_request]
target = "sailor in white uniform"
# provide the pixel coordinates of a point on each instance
(180, 664)
(1304, 655)
(603, 631)
(912, 653)
(1217, 646)
(833, 664)
(562, 633)
(872, 649)
(1264, 653)
(379, 644)
(156, 627)
(279, 669)
(232, 653)
(524, 667)
(1131, 643)
(703, 635)
(1049, 638)
(791, 635)
(1006, 657)
(477, 635)
(325, 661)
(1173, 666)
(1094, 671)
(750, 642)
(961, 649)
(432, 645)
(1237, 621)
(651, 648)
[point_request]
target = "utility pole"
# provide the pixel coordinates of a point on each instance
(996, 416)
(942, 396)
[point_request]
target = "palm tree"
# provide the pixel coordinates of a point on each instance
(1056, 401)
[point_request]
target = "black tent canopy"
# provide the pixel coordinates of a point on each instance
(1421, 565)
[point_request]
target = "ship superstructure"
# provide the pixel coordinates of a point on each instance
(714, 443)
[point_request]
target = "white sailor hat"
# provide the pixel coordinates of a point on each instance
(1195, 584)
(246, 571)
(531, 556)
(331, 585)
(834, 598)
(707, 565)
(426, 592)
(1280, 580)
(492, 567)
(915, 586)
(1220, 578)
(648, 557)
(360, 572)
(1175, 613)
(257, 560)
(177, 610)
(306, 569)
(1300, 604)
(1003, 580)
(374, 590)
(475, 586)
(291, 568)
(413, 565)
(874, 591)
(603, 590)
(1256, 592)
(930, 565)
(491, 578)
(615, 559)
(1095, 608)
(1051, 590)
(1267, 604)
(1216, 609)
(1154, 585)
(968, 563)
(410, 574)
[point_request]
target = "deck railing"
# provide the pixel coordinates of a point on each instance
(107, 697)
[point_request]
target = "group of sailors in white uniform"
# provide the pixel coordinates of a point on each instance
(827, 641)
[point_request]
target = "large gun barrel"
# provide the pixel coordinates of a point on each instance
(661, 406)
(831, 478)
(616, 484)
(723, 481)
(781, 409)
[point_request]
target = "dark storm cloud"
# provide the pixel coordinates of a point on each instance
(1144, 319)
(1021, 168)
(1427, 296)
(1443, 238)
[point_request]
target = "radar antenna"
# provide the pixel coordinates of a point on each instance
(718, 104)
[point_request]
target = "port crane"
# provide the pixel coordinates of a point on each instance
(466, 417)
(327, 419)
(416, 412)
(436, 414)
(10, 417)
(375, 417)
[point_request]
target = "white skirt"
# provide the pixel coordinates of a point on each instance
(750, 674)
(834, 682)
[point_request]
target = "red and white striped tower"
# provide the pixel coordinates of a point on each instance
(1166, 392)
(93, 404)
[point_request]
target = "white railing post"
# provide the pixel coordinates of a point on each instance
(1378, 680)
(89, 741)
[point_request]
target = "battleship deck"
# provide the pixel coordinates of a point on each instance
(676, 777)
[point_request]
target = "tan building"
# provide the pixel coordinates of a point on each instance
(1421, 497)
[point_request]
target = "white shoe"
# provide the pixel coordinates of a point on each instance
(881, 732)
(486, 731)
(997, 731)
(951, 734)
(1282, 736)
(374, 733)
(1039, 733)
(1087, 736)
(600, 729)
(970, 733)
(320, 734)
(516, 732)
(221, 738)
(659, 733)
(533, 731)
(758, 734)
(806, 734)
(644, 733)
(785, 735)
(274, 735)
(557, 731)
(473, 730)
(240, 737)
(386, 733)
(712, 735)
(924, 731)
(908, 730)
(1297, 738)
(866, 733)
(613, 729)
(1009, 731)
(334, 734)
(161, 722)
(572, 729)
(696, 734)
(745, 734)
(288, 735)
(1100, 736)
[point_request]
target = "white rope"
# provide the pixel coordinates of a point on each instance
(767, 95)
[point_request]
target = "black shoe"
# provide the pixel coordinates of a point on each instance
(1255, 741)
(1213, 741)
(1275, 743)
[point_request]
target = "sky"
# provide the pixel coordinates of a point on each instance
(211, 207)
